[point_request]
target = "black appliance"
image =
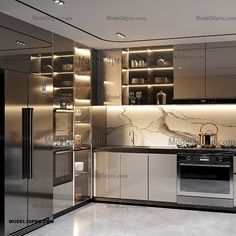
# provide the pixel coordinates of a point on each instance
(228, 146)
(205, 179)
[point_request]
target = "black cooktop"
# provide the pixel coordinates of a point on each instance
(228, 146)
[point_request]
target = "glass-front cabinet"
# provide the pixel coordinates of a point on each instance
(82, 176)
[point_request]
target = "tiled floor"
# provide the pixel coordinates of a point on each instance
(118, 220)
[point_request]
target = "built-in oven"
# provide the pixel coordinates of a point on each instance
(63, 167)
(205, 179)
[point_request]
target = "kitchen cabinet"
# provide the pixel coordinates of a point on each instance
(107, 174)
(134, 176)
(140, 87)
(82, 175)
(205, 71)
(62, 197)
(221, 70)
(189, 71)
(234, 179)
(162, 177)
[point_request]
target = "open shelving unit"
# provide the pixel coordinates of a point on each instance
(82, 124)
(71, 72)
(63, 64)
(59, 66)
(145, 73)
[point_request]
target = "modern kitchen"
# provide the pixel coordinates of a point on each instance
(116, 134)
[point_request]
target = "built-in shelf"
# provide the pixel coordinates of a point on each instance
(56, 88)
(147, 85)
(147, 74)
(51, 57)
(63, 110)
(63, 73)
(82, 100)
(81, 173)
(43, 73)
(82, 123)
(130, 51)
(148, 69)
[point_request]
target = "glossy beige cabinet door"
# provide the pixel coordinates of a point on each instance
(134, 176)
(234, 179)
(162, 177)
(62, 197)
(107, 174)
(234, 190)
(189, 71)
(221, 70)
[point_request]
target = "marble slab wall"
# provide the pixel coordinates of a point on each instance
(169, 125)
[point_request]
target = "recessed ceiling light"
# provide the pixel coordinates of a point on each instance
(120, 35)
(21, 43)
(59, 2)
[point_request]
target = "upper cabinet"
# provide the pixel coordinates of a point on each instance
(189, 71)
(109, 77)
(221, 70)
(205, 71)
(147, 76)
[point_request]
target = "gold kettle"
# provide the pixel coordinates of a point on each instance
(208, 138)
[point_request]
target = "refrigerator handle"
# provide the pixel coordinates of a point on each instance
(30, 138)
(24, 144)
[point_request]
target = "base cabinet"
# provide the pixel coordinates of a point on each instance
(162, 177)
(62, 197)
(234, 179)
(134, 176)
(107, 174)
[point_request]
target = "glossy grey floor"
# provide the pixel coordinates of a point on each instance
(115, 220)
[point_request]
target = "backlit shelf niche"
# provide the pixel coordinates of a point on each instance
(82, 123)
(145, 73)
(59, 66)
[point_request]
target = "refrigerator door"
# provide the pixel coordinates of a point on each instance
(15, 171)
(40, 183)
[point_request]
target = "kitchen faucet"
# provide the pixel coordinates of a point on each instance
(131, 133)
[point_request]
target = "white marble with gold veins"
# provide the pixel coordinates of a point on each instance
(161, 125)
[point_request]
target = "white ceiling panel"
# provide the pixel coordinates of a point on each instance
(152, 22)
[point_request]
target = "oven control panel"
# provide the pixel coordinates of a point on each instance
(215, 158)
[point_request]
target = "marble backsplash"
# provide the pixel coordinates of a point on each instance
(169, 125)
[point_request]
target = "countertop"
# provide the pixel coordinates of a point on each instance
(62, 149)
(161, 149)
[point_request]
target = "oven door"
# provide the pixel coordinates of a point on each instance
(205, 180)
(63, 167)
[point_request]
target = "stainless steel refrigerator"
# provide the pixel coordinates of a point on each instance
(28, 141)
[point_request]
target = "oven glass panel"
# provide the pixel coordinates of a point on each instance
(59, 166)
(205, 179)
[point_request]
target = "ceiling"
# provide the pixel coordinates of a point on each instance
(164, 22)
(13, 30)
